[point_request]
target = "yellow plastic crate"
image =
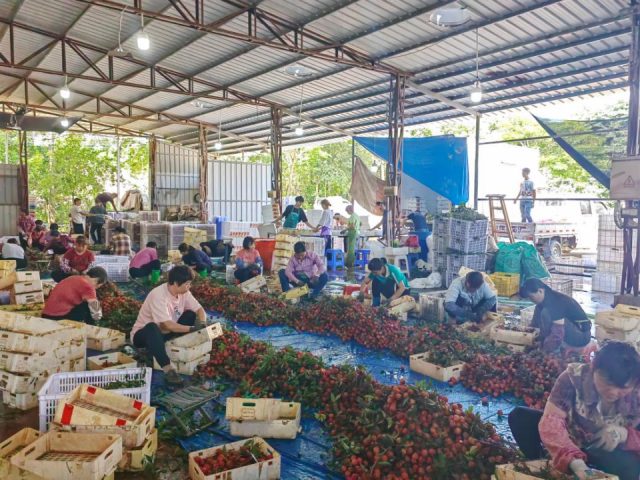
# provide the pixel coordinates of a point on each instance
(507, 283)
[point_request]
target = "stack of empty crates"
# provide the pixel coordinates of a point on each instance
(608, 274)
(238, 230)
(133, 230)
(459, 243)
(283, 251)
(116, 266)
(176, 232)
(443, 205)
(155, 232)
(33, 348)
(576, 273)
(109, 227)
(27, 289)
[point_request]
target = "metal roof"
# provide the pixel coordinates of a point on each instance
(231, 54)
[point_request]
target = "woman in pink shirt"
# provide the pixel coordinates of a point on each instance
(145, 262)
(169, 310)
(248, 261)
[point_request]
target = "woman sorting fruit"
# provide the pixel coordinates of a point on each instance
(590, 423)
(146, 263)
(561, 320)
(76, 261)
(248, 261)
(196, 259)
(386, 280)
(468, 299)
(75, 298)
(169, 310)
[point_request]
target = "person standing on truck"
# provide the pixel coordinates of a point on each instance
(527, 196)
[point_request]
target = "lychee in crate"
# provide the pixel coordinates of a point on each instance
(483, 329)
(255, 458)
(515, 334)
(71, 456)
(263, 417)
(420, 363)
(116, 360)
(531, 470)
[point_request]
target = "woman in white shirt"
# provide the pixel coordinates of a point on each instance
(12, 251)
(325, 226)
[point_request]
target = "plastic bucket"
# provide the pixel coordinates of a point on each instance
(266, 248)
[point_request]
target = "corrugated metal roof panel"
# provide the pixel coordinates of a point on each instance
(55, 16)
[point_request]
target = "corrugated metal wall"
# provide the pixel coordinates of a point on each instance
(9, 199)
(238, 190)
(177, 177)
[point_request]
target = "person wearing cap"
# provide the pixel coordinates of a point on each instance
(120, 243)
(75, 298)
(325, 225)
(76, 261)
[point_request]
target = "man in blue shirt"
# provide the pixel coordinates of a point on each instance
(421, 230)
(386, 280)
(468, 299)
(382, 206)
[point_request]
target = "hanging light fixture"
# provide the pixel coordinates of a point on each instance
(143, 39)
(218, 144)
(64, 91)
(299, 130)
(120, 52)
(64, 122)
(476, 91)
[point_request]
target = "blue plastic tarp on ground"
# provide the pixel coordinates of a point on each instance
(440, 163)
(306, 456)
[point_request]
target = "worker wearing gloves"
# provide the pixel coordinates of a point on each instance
(76, 261)
(387, 280)
(352, 231)
(146, 263)
(248, 261)
(75, 298)
(590, 422)
(468, 299)
(304, 268)
(169, 310)
(561, 320)
(294, 214)
(196, 259)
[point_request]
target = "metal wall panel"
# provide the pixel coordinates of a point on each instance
(9, 199)
(238, 190)
(177, 177)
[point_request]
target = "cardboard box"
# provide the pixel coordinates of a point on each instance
(420, 363)
(121, 361)
(27, 287)
(27, 298)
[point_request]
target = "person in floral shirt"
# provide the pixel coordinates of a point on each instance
(26, 223)
(591, 420)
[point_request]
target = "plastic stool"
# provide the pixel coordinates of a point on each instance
(413, 259)
(362, 257)
(400, 261)
(335, 258)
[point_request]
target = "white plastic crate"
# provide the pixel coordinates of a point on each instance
(467, 228)
(441, 226)
(432, 305)
(61, 384)
(606, 282)
(606, 222)
(473, 244)
(609, 267)
(475, 262)
(106, 259)
(560, 284)
(610, 254)
(610, 238)
(315, 244)
(117, 272)
(526, 315)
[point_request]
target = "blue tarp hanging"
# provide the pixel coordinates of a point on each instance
(439, 163)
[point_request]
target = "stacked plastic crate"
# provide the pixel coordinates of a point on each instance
(133, 230)
(149, 216)
(31, 349)
(117, 267)
(608, 274)
(155, 232)
(109, 229)
(238, 230)
(576, 273)
(460, 243)
(176, 232)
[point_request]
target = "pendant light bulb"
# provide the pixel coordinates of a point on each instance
(476, 92)
(299, 131)
(64, 91)
(218, 146)
(143, 39)
(64, 122)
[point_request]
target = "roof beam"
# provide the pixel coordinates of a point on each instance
(362, 60)
(441, 98)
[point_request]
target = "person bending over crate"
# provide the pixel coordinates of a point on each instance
(169, 310)
(196, 259)
(304, 268)
(75, 298)
(468, 299)
(248, 261)
(146, 263)
(591, 418)
(561, 320)
(387, 280)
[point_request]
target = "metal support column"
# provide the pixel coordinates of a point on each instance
(153, 156)
(24, 170)
(631, 267)
(118, 184)
(276, 153)
(396, 145)
(477, 165)
(204, 173)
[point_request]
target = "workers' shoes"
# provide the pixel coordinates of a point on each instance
(173, 379)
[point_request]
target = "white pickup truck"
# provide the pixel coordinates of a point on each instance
(564, 226)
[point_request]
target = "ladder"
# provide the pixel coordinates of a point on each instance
(505, 216)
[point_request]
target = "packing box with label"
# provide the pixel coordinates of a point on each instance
(263, 417)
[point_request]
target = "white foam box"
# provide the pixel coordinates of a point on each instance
(40, 336)
(196, 338)
(603, 334)
(188, 353)
(263, 417)
(24, 363)
(483, 330)
(27, 287)
(20, 401)
(186, 368)
(16, 383)
(71, 456)
(402, 305)
(420, 363)
(253, 285)
(267, 470)
(27, 298)
(511, 471)
(136, 459)
(121, 360)
(102, 339)
(615, 320)
(516, 337)
(11, 446)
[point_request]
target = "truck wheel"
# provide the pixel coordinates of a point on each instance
(556, 250)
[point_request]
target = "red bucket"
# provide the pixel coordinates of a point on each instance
(266, 246)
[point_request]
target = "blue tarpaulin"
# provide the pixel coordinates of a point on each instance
(439, 163)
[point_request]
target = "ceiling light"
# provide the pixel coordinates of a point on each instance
(120, 52)
(298, 71)
(450, 17)
(476, 92)
(143, 41)
(218, 146)
(64, 122)
(64, 91)
(299, 131)
(201, 104)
